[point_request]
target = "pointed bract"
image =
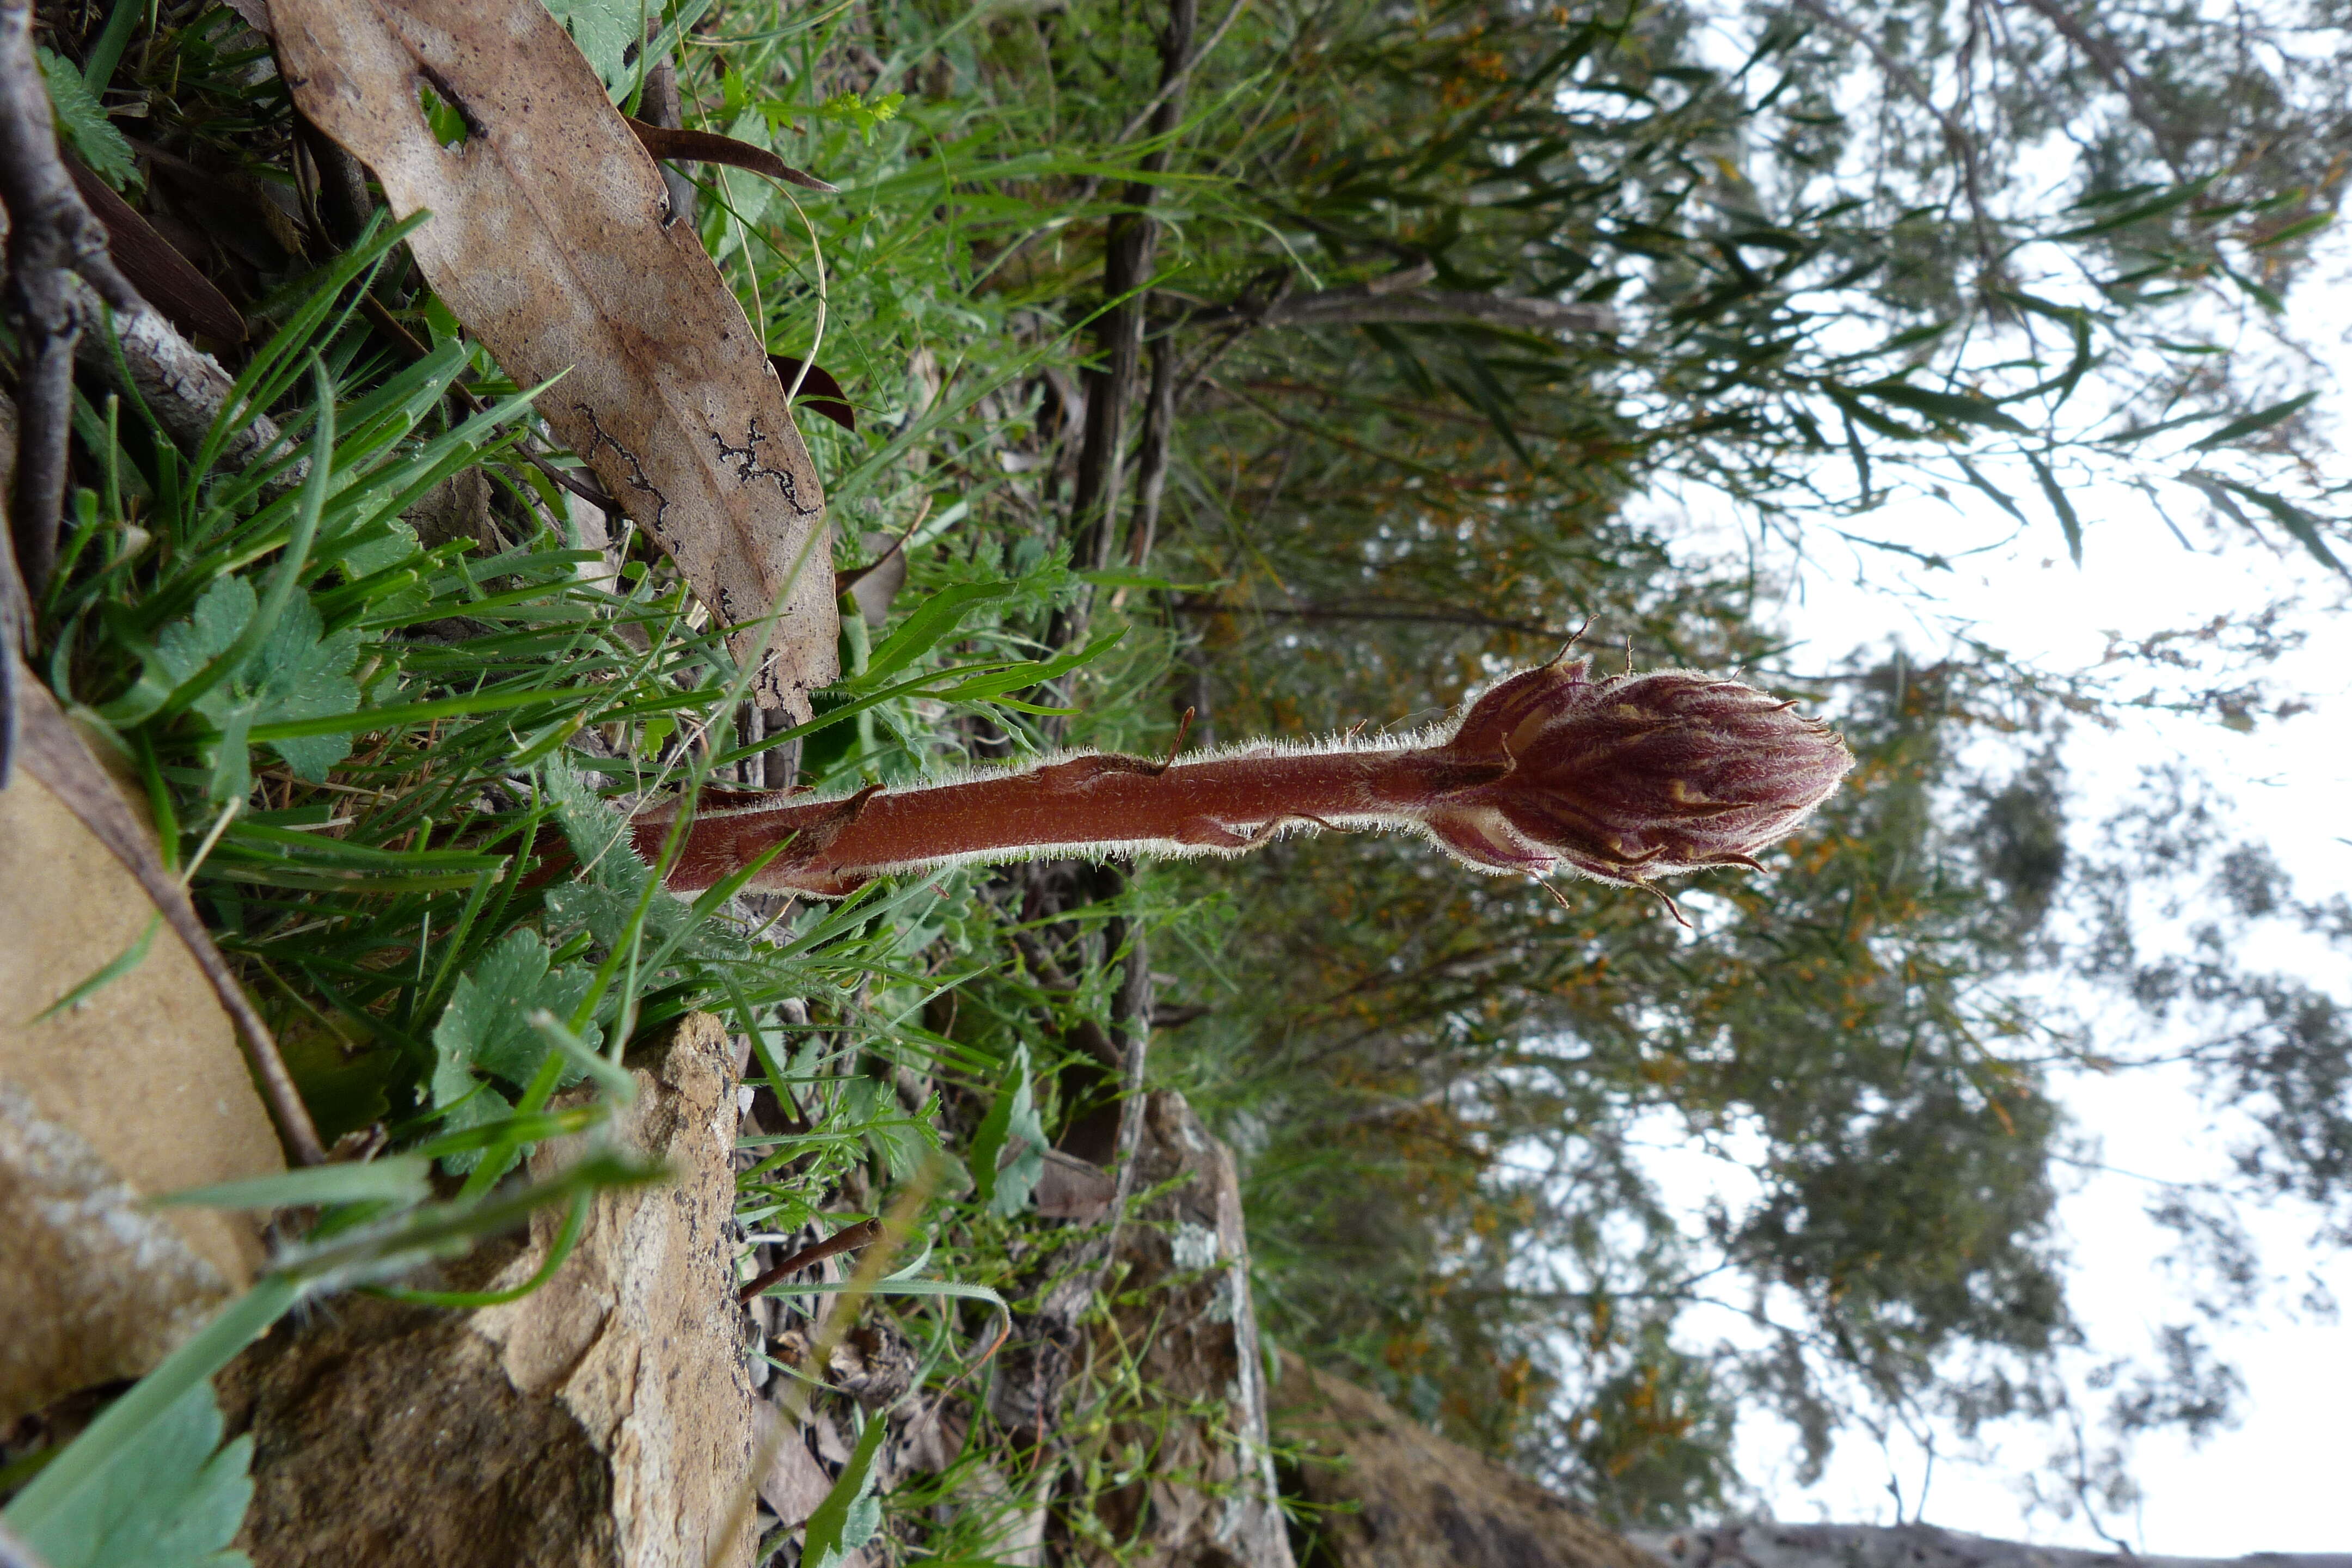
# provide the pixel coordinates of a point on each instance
(1631, 777)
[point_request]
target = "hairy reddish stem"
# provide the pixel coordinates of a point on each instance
(1624, 780)
(1102, 804)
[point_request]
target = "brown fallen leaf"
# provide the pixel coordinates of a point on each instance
(109, 1095)
(794, 1484)
(546, 240)
(169, 279)
(53, 754)
(1072, 1188)
(875, 586)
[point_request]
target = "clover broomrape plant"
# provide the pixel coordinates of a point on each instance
(1624, 780)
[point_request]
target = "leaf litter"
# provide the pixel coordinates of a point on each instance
(550, 239)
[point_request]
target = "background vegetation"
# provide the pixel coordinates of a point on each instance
(1825, 263)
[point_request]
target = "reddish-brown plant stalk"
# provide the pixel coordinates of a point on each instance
(1623, 779)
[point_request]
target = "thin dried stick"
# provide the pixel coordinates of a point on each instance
(51, 237)
(847, 1239)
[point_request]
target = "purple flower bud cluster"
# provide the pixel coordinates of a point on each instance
(1627, 778)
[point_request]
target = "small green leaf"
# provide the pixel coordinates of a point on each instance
(172, 1497)
(486, 1030)
(470, 1105)
(186, 647)
(395, 545)
(296, 672)
(300, 673)
(933, 620)
(848, 1518)
(2251, 423)
(988, 1142)
(2302, 524)
(2294, 231)
(112, 970)
(614, 1081)
(604, 29)
(1860, 412)
(1013, 677)
(487, 1025)
(864, 113)
(2261, 294)
(605, 898)
(1944, 407)
(514, 1128)
(2077, 323)
(404, 1179)
(2000, 497)
(2179, 195)
(1011, 1125)
(2071, 524)
(82, 120)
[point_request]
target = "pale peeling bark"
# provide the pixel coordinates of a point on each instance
(182, 386)
(1764, 1544)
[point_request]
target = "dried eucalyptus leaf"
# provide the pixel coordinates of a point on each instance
(547, 241)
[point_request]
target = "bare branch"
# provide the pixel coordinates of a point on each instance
(1399, 298)
(2109, 62)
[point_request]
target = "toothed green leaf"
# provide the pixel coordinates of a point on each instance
(82, 121)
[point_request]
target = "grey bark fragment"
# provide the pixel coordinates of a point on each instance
(1762, 1544)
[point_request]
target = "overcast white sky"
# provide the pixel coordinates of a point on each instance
(2278, 1481)
(2281, 1479)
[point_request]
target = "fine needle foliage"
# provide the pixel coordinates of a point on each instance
(1292, 365)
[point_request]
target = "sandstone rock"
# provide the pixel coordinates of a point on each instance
(603, 1421)
(1182, 1305)
(1419, 1500)
(138, 1091)
(457, 508)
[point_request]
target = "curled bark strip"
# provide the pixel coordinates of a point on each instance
(1130, 1020)
(685, 146)
(1151, 455)
(54, 754)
